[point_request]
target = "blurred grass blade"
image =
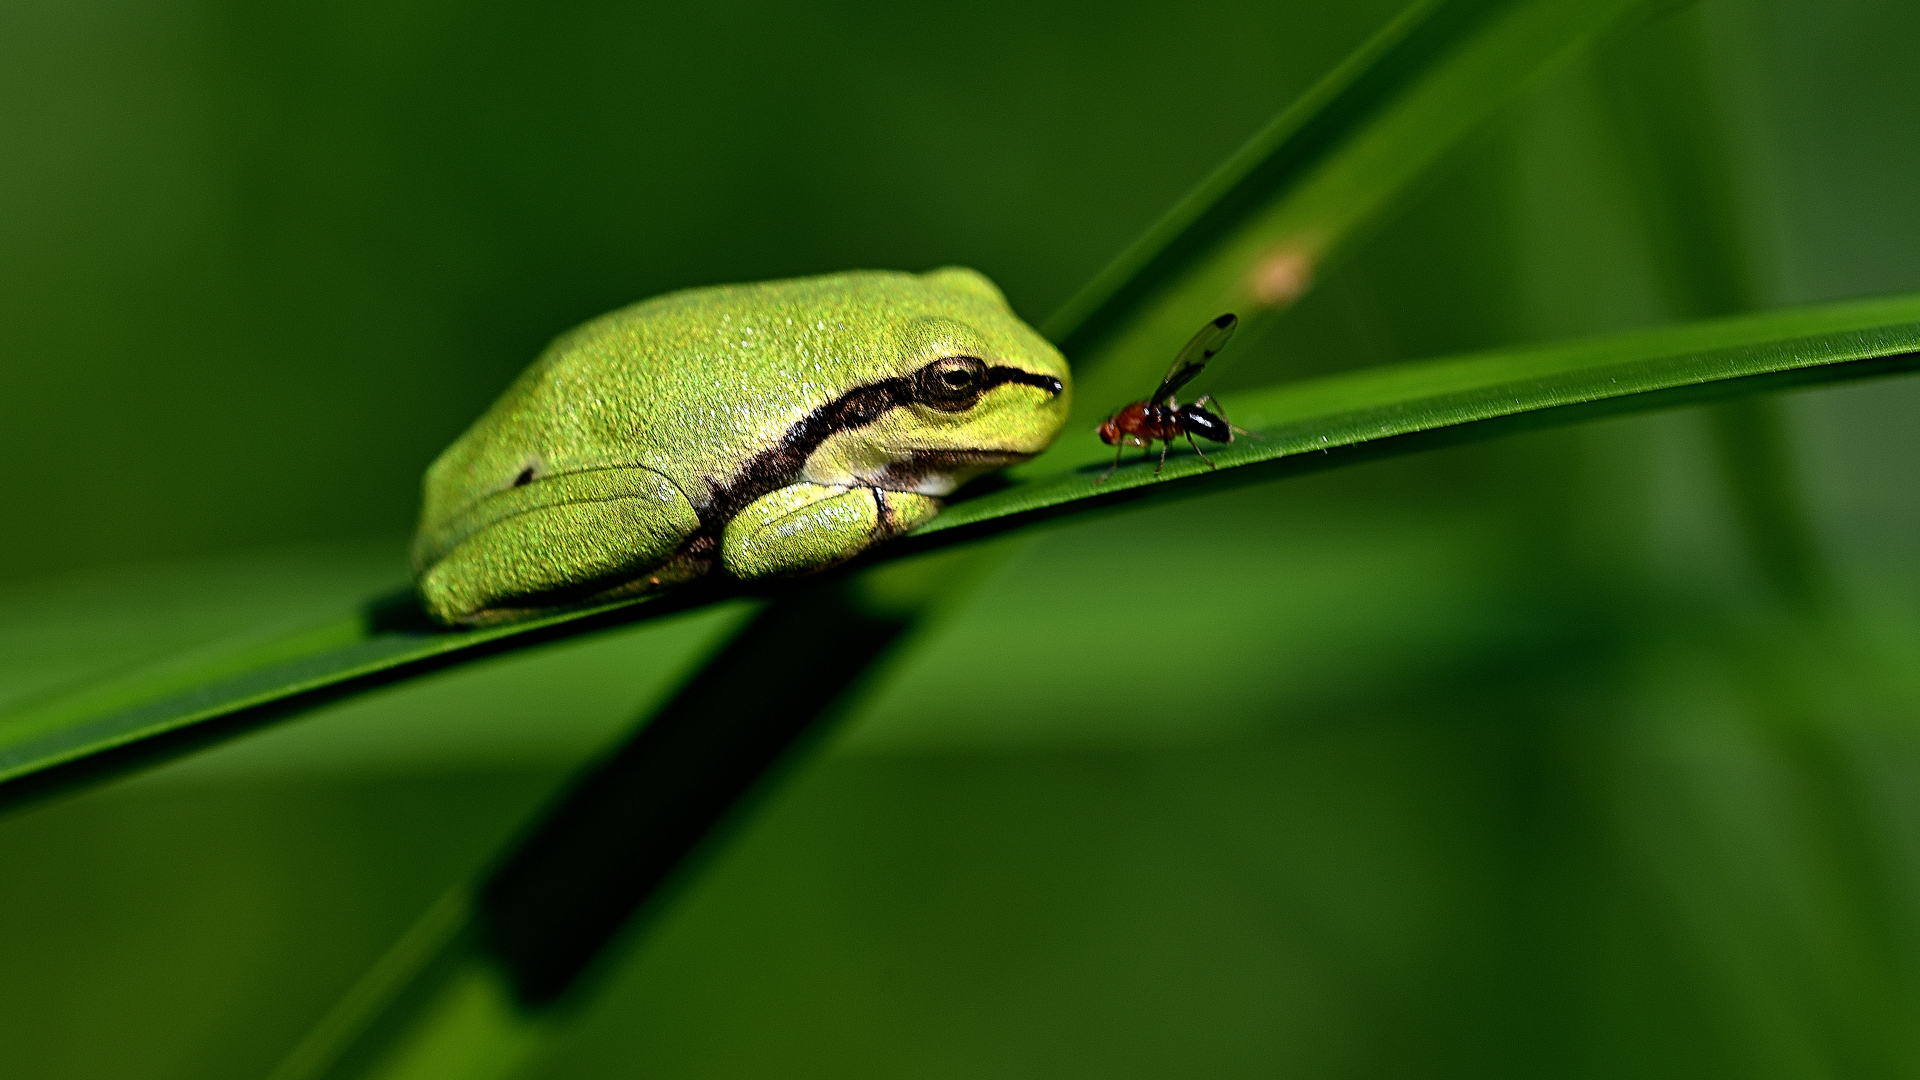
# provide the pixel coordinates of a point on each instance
(1681, 160)
(1257, 233)
(1324, 167)
(432, 1007)
(481, 967)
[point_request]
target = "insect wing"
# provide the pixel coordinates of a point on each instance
(1192, 359)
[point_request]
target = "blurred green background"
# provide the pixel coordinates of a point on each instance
(1527, 758)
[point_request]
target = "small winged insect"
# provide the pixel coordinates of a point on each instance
(1162, 418)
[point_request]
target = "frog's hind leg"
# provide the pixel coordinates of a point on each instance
(804, 527)
(553, 543)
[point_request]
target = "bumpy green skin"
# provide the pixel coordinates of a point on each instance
(773, 428)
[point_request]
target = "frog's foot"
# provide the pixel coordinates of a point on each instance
(805, 527)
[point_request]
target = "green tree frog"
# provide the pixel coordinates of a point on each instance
(767, 430)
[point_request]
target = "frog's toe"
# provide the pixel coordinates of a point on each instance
(904, 511)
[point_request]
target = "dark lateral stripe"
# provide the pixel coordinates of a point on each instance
(777, 466)
(1001, 376)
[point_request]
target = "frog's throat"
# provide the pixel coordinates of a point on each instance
(780, 464)
(938, 472)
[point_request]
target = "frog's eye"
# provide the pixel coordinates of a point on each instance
(951, 383)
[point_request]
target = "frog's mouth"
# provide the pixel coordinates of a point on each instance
(939, 472)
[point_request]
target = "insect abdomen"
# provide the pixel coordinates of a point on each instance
(1200, 422)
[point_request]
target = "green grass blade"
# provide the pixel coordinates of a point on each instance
(1404, 406)
(119, 722)
(1304, 425)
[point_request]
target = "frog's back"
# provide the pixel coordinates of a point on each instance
(690, 383)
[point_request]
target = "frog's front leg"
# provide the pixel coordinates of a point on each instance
(805, 527)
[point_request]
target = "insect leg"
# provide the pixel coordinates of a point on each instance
(1165, 445)
(1209, 399)
(1117, 451)
(1196, 449)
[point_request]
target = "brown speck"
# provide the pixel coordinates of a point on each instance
(1281, 275)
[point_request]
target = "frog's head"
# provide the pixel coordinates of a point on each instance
(968, 388)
